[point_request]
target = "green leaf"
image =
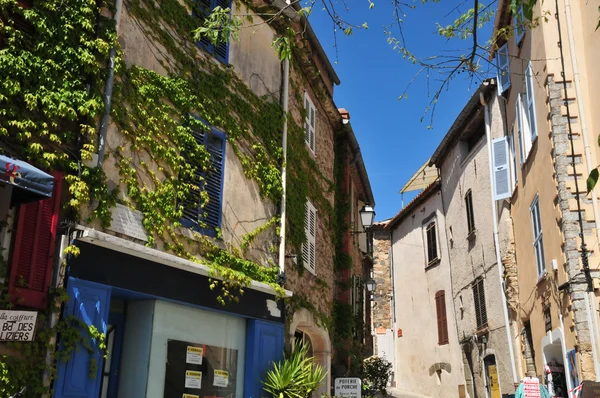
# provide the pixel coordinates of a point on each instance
(592, 180)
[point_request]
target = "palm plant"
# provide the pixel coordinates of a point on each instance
(297, 376)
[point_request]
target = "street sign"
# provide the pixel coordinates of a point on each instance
(350, 387)
(17, 325)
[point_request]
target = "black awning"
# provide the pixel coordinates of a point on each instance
(31, 183)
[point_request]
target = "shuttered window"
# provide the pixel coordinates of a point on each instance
(519, 25)
(432, 249)
(202, 10)
(538, 239)
(470, 215)
(501, 169)
(529, 103)
(208, 218)
(33, 250)
(309, 248)
(503, 65)
(513, 158)
(442, 319)
(479, 298)
(310, 124)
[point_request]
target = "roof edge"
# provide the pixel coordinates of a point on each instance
(362, 169)
(420, 198)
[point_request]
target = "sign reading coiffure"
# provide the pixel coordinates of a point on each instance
(17, 325)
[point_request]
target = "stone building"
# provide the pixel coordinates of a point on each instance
(548, 83)
(484, 325)
(173, 254)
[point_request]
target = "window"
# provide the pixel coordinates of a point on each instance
(501, 169)
(432, 252)
(470, 215)
(538, 241)
(479, 298)
(529, 103)
(503, 65)
(524, 139)
(310, 124)
(442, 319)
(309, 247)
(201, 216)
(519, 25)
(202, 10)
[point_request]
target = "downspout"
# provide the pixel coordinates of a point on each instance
(588, 163)
(108, 89)
(285, 106)
(496, 240)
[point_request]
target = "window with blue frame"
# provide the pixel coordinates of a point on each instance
(198, 215)
(203, 9)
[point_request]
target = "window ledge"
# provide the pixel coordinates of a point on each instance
(541, 277)
(472, 235)
(433, 263)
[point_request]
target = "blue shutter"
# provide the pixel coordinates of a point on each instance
(201, 10)
(503, 64)
(215, 145)
(191, 204)
(264, 345)
(88, 302)
(221, 49)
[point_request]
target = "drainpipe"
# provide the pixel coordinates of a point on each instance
(284, 105)
(108, 88)
(589, 167)
(496, 240)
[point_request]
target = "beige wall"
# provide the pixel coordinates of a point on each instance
(417, 351)
(475, 257)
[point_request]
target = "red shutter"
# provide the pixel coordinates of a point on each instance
(33, 251)
(442, 320)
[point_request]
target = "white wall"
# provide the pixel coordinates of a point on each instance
(415, 288)
(178, 322)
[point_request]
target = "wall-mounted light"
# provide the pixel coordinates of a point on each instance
(367, 215)
(371, 285)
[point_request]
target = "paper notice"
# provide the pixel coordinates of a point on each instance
(190, 396)
(193, 379)
(194, 355)
(221, 378)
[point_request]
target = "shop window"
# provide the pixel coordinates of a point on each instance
(310, 124)
(442, 319)
(432, 246)
(470, 214)
(198, 215)
(202, 10)
(310, 246)
(480, 308)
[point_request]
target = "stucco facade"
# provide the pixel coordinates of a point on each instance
(463, 161)
(558, 320)
(425, 363)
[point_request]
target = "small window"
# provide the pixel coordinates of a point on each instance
(538, 241)
(432, 250)
(470, 215)
(310, 124)
(442, 319)
(198, 215)
(202, 10)
(503, 65)
(309, 247)
(479, 298)
(529, 103)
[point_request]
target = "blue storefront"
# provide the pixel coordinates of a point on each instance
(167, 335)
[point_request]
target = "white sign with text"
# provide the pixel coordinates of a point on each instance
(348, 387)
(17, 325)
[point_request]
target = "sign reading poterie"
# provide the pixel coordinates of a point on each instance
(17, 325)
(348, 387)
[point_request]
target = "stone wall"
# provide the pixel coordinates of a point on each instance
(382, 274)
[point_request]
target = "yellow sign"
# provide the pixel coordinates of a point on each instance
(221, 378)
(193, 379)
(493, 380)
(190, 396)
(194, 355)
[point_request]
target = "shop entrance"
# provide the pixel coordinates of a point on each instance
(491, 377)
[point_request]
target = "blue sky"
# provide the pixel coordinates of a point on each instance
(393, 140)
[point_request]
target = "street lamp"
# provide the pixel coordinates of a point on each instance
(367, 214)
(371, 285)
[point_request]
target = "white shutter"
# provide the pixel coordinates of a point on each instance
(503, 64)
(310, 124)
(309, 249)
(501, 171)
(513, 158)
(523, 130)
(530, 103)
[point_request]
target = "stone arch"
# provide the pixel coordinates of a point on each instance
(304, 321)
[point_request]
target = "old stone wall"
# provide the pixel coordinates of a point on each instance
(382, 274)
